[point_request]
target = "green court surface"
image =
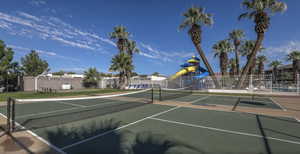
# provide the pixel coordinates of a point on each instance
(247, 101)
(258, 102)
(150, 128)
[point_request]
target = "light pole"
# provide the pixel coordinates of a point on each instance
(7, 73)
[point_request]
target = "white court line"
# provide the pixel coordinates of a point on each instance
(226, 131)
(77, 105)
(108, 132)
(283, 108)
(78, 98)
(39, 138)
(200, 99)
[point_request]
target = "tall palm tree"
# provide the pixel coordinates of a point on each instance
(131, 49)
(295, 58)
(274, 64)
(236, 36)
(121, 63)
(261, 65)
(121, 36)
(258, 11)
(221, 49)
(232, 67)
(246, 49)
(195, 18)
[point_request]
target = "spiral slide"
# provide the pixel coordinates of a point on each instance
(192, 66)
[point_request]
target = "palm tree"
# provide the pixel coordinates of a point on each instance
(246, 49)
(221, 49)
(236, 36)
(274, 64)
(261, 65)
(258, 12)
(295, 58)
(121, 63)
(195, 18)
(232, 67)
(91, 78)
(121, 35)
(131, 49)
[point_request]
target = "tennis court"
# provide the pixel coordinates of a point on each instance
(130, 124)
(210, 100)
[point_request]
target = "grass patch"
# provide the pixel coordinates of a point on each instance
(32, 95)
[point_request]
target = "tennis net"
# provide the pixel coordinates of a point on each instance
(41, 113)
(169, 94)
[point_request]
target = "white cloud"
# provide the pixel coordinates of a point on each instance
(150, 52)
(286, 48)
(280, 52)
(42, 52)
(52, 28)
(37, 2)
(26, 15)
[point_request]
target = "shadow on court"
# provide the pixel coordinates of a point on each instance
(115, 142)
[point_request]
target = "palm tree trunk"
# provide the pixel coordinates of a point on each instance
(237, 60)
(260, 38)
(205, 61)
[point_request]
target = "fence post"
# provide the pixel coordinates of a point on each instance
(298, 84)
(271, 83)
(250, 83)
(8, 123)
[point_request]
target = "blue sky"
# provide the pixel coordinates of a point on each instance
(72, 35)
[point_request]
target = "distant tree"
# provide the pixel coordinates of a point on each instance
(195, 19)
(134, 74)
(70, 72)
(33, 65)
(121, 63)
(258, 11)
(236, 37)
(246, 49)
(155, 74)
(232, 67)
(295, 58)
(91, 78)
(261, 64)
(59, 73)
(221, 49)
(9, 70)
(274, 64)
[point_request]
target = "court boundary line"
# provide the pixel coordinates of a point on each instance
(200, 99)
(38, 137)
(79, 98)
(124, 126)
(240, 112)
(283, 108)
(226, 131)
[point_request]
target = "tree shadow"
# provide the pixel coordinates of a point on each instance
(113, 141)
(150, 143)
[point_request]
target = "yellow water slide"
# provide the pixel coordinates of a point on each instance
(184, 71)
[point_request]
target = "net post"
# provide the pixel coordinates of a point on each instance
(160, 99)
(152, 95)
(8, 124)
(236, 104)
(13, 115)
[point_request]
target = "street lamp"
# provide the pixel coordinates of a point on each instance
(7, 80)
